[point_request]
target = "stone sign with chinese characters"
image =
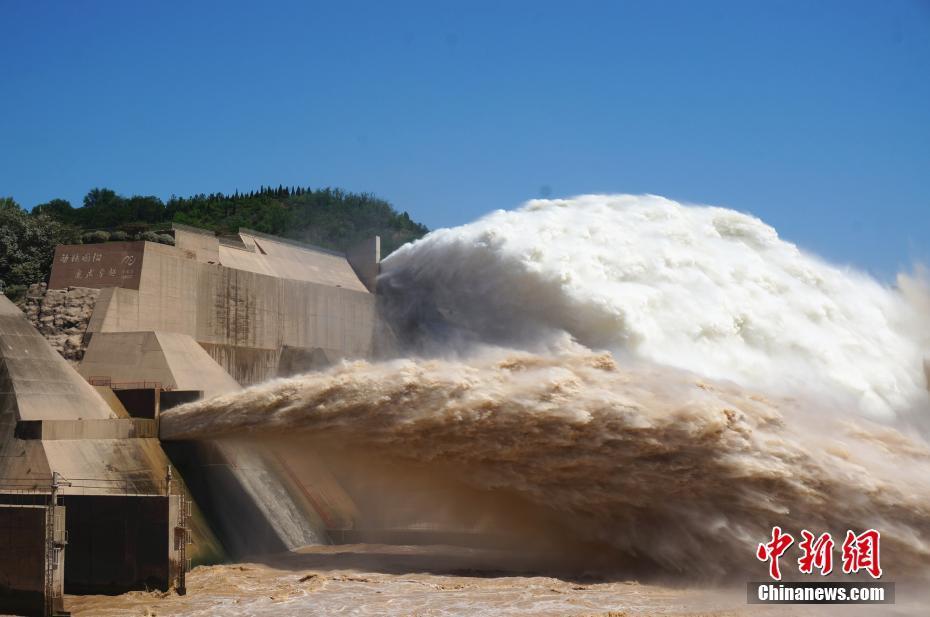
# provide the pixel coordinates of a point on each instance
(109, 264)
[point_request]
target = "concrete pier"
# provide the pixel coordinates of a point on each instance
(83, 492)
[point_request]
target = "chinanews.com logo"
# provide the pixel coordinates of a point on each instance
(859, 552)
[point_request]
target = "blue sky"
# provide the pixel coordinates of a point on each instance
(814, 116)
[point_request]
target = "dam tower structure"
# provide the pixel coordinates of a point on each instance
(260, 306)
(207, 316)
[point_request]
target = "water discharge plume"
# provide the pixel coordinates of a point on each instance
(672, 469)
(704, 289)
(745, 384)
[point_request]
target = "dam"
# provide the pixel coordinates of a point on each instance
(91, 501)
(544, 438)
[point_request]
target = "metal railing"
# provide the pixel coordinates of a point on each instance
(102, 380)
(128, 486)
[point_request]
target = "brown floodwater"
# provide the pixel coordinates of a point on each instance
(422, 581)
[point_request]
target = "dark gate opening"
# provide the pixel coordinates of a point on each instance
(117, 543)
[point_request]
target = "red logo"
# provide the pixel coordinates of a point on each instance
(860, 552)
(816, 553)
(771, 551)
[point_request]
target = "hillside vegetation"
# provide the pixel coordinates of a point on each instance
(331, 218)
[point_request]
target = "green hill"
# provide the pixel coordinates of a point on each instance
(331, 218)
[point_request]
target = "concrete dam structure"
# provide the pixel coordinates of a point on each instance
(255, 304)
(77, 478)
(91, 500)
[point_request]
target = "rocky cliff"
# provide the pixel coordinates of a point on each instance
(61, 315)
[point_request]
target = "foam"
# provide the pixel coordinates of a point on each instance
(705, 289)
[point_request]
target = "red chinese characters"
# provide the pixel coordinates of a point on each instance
(862, 553)
(774, 549)
(816, 553)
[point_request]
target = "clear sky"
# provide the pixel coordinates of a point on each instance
(814, 116)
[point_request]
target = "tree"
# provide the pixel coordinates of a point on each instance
(102, 208)
(331, 218)
(100, 198)
(149, 209)
(27, 246)
(58, 209)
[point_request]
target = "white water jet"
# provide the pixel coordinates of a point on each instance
(705, 289)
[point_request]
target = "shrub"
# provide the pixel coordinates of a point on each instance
(134, 228)
(27, 245)
(15, 293)
(166, 239)
(118, 236)
(149, 236)
(94, 237)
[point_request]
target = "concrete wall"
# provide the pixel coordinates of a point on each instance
(202, 243)
(365, 259)
(119, 264)
(232, 307)
(242, 300)
(241, 318)
(97, 265)
(247, 365)
(119, 428)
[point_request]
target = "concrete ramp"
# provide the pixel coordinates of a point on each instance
(37, 383)
(171, 359)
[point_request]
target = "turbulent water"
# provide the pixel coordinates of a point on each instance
(657, 463)
(322, 581)
(669, 381)
(700, 288)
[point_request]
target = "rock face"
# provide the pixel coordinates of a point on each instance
(61, 315)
